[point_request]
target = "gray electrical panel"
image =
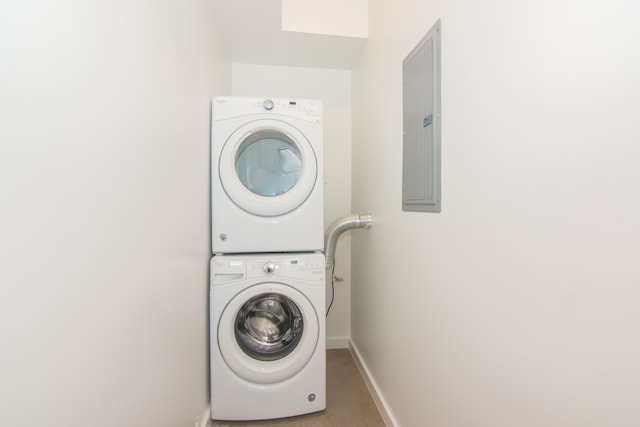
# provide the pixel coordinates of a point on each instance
(421, 189)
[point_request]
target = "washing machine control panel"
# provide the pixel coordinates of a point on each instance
(309, 267)
(226, 268)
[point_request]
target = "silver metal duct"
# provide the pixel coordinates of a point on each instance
(338, 227)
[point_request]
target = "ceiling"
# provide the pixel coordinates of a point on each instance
(251, 32)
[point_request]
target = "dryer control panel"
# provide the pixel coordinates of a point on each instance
(226, 107)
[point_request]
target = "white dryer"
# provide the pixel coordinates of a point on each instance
(267, 336)
(267, 175)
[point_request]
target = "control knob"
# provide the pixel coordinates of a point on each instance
(269, 267)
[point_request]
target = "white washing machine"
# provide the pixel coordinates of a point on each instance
(267, 175)
(268, 351)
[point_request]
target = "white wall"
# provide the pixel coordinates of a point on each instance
(518, 304)
(104, 212)
(333, 88)
(330, 17)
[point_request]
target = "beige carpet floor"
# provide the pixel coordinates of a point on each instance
(349, 403)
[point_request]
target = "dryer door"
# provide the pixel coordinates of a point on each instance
(268, 332)
(268, 168)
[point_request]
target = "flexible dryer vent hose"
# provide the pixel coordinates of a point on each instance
(338, 227)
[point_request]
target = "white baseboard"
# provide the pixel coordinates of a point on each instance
(205, 419)
(337, 342)
(379, 400)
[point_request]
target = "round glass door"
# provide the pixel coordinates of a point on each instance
(269, 326)
(268, 167)
(268, 332)
(268, 163)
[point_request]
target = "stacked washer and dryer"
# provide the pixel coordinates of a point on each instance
(267, 289)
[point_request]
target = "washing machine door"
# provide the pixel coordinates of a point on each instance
(268, 332)
(268, 167)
